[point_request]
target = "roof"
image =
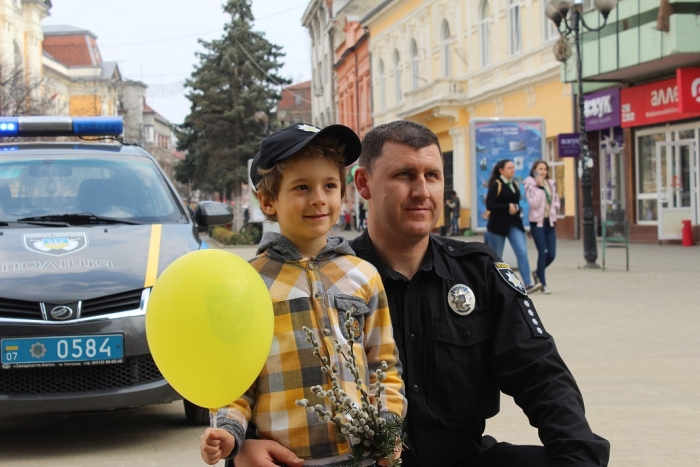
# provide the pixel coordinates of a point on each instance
(108, 69)
(65, 30)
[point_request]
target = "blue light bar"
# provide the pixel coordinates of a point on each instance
(61, 126)
(97, 126)
(9, 126)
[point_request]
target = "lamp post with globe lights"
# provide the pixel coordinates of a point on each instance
(569, 13)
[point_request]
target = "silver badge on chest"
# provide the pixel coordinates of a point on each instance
(461, 299)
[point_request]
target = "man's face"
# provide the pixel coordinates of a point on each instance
(405, 191)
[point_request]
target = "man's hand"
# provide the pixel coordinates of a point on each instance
(216, 444)
(265, 453)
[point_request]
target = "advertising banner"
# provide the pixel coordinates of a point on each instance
(522, 140)
(601, 109)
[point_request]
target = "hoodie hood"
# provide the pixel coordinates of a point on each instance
(280, 245)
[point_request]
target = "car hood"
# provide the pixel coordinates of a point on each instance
(67, 264)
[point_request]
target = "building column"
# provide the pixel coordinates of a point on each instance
(460, 166)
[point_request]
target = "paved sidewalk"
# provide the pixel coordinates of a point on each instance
(632, 340)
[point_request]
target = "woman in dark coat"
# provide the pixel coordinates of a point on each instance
(503, 204)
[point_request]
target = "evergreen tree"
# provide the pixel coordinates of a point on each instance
(236, 76)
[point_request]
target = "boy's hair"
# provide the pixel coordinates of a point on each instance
(323, 147)
(401, 131)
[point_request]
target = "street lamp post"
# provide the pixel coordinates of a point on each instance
(558, 11)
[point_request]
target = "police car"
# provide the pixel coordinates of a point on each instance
(85, 229)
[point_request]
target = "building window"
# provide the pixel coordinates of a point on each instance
(397, 75)
(414, 65)
(382, 85)
(485, 35)
(446, 51)
(514, 27)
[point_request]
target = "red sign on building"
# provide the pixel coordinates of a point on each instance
(658, 102)
(688, 89)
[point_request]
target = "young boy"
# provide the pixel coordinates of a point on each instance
(313, 279)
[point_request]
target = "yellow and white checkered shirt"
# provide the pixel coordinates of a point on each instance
(316, 293)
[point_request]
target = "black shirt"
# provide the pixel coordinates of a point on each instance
(456, 364)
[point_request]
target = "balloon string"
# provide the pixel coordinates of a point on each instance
(212, 417)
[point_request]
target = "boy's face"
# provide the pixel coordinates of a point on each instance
(308, 201)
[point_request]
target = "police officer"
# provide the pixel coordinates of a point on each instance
(464, 324)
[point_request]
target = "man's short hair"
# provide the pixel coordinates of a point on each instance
(402, 132)
(324, 147)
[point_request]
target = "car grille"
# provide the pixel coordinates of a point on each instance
(53, 380)
(19, 309)
(125, 301)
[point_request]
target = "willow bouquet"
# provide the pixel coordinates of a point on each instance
(369, 434)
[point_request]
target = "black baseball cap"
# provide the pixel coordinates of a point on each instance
(292, 139)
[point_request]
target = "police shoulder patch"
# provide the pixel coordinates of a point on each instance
(509, 277)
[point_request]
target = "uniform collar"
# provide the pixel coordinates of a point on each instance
(433, 261)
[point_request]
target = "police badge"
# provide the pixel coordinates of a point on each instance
(461, 299)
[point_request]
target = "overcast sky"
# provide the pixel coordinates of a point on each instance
(154, 41)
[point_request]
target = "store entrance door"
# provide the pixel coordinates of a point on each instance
(612, 177)
(676, 181)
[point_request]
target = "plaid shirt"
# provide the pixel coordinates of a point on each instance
(316, 292)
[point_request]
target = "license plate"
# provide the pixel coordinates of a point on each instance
(25, 352)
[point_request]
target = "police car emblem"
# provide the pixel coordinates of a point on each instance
(55, 244)
(510, 278)
(461, 299)
(309, 128)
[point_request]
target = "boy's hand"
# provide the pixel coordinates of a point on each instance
(216, 444)
(266, 453)
(397, 454)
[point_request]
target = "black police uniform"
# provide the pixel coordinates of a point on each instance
(454, 366)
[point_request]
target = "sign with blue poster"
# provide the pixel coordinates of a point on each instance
(522, 140)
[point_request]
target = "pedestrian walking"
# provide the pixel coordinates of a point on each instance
(454, 205)
(541, 194)
(505, 221)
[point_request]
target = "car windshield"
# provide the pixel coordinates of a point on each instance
(112, 186)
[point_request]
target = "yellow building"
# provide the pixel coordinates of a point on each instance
(444, 63)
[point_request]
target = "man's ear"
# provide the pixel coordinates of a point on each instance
(266, 205)
(362, 182)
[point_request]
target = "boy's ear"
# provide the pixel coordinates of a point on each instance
(362, 182)
(266, 205)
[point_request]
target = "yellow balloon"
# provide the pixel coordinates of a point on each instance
(209, 326)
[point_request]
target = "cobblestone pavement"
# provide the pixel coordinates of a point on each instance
(632, 340)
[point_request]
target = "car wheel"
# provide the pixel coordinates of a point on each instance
(252, 231)
(195, 414)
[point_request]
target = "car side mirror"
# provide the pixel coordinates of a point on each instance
(210, 213)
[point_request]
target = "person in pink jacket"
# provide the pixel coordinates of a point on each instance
(541, 194)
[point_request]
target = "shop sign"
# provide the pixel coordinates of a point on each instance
(660, 101)
(568, 145)
(602, 109)
(688, 89)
